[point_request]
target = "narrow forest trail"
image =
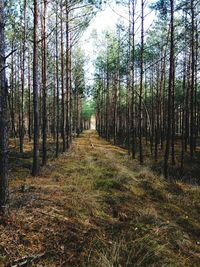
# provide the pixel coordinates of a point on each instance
(96, 207)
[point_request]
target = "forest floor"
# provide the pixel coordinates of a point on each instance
(94, 206)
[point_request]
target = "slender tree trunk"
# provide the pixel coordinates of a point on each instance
(157, 116)
(35, 169)
(141, 84)
(129, 84)
(3, 118)
(183, 116)
(107, 96)
(12, 110)
(54, 107)
(187, 109)
(70, 89)
(133, 119)
(57, 88)
(173, 119)
(192, 80)
(67, 74)
(44, 86)
(170, 88)
(62, 82)
(196, 84)
(152, 115)
(21, 129)
(29, 99)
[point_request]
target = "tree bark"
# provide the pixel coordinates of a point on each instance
(57, 88)
(170, 88)
(3, 118)
(21, 126)
(35, 169)
(62, 81)
(141, 84)
(192, 80)
(44, 86)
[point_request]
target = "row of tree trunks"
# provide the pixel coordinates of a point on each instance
(40, 98)
(152, 108)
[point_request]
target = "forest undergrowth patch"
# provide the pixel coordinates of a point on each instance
(94, 206)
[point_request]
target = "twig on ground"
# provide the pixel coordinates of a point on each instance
(26, 260)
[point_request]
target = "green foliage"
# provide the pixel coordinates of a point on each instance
(97, 3)
(162, 6)
(78, 71)
(88, 109)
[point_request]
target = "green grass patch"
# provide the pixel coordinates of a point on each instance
(108, 184)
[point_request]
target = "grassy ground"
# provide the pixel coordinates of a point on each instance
(96, 207)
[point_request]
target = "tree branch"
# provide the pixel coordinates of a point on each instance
(12, 52)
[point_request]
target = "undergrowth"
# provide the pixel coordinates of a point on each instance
(95, 207)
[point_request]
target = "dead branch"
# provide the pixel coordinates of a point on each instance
(12, 52)
(26, 260)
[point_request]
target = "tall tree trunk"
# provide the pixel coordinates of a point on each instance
(29, 99)
(141, 84)
(196, 83)
(67, 73)
(3, 118)
(173, 119)
(12, 109)
(54, 107)
(57, 88)
(133, 119)
(157, 108)
(70, 88)
(129, 83)
(44, 86)
(21, 129)
(192, 80)
(170, 88)
(35, 169)
(183, 114)
(62, 81)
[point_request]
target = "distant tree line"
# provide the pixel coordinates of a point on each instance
(147, 83)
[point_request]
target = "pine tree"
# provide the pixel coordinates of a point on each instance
(3, 117)
(35, 169)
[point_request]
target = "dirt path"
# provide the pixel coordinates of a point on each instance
(96, 207)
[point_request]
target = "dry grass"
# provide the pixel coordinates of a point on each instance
(96, 207)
